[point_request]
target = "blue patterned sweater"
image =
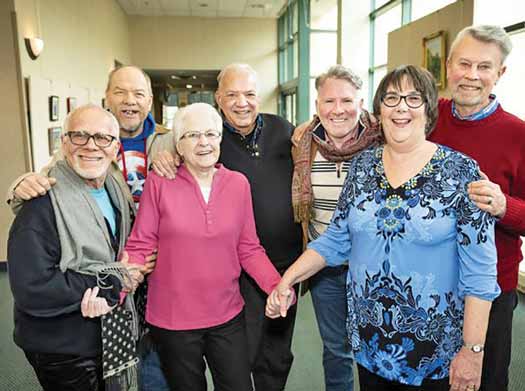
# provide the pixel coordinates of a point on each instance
(415, 252)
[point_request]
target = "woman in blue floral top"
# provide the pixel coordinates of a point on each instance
(422, 256)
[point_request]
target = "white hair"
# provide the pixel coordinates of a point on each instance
(487, 34)
(195, 109)
(237, 67)
(70, 118)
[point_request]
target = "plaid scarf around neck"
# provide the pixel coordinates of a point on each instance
(86, 248)
(306, 143)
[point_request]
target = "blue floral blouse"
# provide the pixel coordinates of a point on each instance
(414, 252)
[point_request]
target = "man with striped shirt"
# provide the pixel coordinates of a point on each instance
(321, 153)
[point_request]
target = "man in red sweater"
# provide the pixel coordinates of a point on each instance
(474, 123)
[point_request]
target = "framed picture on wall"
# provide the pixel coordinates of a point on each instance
(53, 136)
(53, 108)
(434, 56)
(71, 104)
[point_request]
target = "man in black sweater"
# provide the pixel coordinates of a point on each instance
(259, 146)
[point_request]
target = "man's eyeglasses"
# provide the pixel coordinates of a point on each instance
(195, 136)
(392, 99)
(81, 138)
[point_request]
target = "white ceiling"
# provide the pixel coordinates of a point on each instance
(204, 8)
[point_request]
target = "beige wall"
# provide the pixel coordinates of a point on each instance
(208, 43)
(405, 45)
(82, 39)
(13, 147)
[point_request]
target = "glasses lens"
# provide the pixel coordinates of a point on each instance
(193, 136)
(102, 140)
(414, 101)
(212, 134)
(78, 138)
(391, 100)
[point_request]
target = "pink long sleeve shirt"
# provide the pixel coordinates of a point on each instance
(201, 249)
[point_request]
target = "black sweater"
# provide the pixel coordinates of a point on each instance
(47, 313)
(270, 177)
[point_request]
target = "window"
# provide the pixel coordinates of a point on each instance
(307, 38)
(323, 52)
(323, 42)
(421, 8)
(505, 13)
(323, 15)
(288, 47)
(385, 17)
(289, 60)
(509, 89)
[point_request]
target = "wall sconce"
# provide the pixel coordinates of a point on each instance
(34, 47)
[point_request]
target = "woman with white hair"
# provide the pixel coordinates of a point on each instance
(203, 226)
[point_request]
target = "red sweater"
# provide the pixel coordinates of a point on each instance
(497, 143)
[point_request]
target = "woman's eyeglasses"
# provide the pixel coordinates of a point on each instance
(195, 136)
(413, 101)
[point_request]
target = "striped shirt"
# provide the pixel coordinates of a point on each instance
(327, 181)
(483, 113)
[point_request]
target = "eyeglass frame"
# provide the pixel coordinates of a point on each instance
(89, 136)
(403, 97)
(200, 134)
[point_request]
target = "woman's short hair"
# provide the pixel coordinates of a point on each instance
(199, 109)
(339, 72)
(422, 81)
(485, 33)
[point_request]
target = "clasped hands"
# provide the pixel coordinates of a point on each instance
(93, 306)
(136, 271)
(279, 301)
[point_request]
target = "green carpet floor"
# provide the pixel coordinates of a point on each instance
(306, 374)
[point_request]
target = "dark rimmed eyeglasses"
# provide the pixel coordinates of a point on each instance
(392, 99)
(195, 136)
(81, 138)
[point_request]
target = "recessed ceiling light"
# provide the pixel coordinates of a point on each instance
(194, 77)
(189, 86)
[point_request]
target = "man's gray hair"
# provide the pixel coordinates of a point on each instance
(117, 69)
(195, 109)
(237, 67)
(488, 34)
(339, 72)
(71, 117)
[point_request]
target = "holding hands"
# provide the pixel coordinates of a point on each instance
(136, 271)
(279, 301)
